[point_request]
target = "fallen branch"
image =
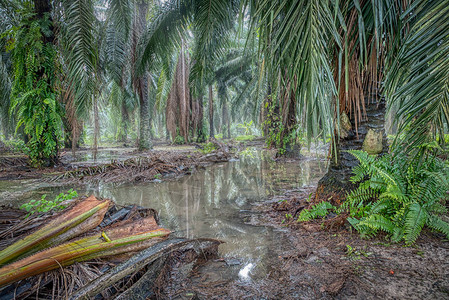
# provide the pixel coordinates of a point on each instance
(135, 264)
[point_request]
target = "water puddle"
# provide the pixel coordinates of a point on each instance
(215, 202)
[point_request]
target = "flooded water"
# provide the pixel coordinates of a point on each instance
(215, 202)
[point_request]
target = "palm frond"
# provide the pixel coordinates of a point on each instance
(295, 39)
(418, 80)
(81, 52)
(212, 24)
(163, 34)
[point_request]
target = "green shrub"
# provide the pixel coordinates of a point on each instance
(16, 146)
(208, 148)
(318, 210)
(244, 138)
(248, 152)
(179, 140)
(247, 126)
(44, 205)
(399, 194)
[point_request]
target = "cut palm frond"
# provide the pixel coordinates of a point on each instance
(115, 241)
(84, 216)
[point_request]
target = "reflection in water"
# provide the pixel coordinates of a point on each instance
(215, 202)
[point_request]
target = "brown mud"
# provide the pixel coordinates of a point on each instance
(326, 260)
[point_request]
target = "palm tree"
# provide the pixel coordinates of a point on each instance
(179, 102)
(210, 23)
(235, 74)
(331, 58)
(5, 86)
(34, 91)
(140, 81)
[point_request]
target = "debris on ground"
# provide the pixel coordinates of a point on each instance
(92, 249)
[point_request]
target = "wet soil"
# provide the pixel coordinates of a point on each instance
(266, 254)
(325, 260)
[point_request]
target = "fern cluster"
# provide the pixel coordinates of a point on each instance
(318, 210)
(398, 195)
(34, 96)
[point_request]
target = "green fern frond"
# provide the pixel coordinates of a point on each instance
(437, 224)
(319, 210)
(378, 222)
(438, 208)
(415, 220)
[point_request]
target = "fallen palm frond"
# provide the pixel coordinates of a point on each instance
(79, 219)
(139, 261)
(117, 240)
(85, 265)
(133, 169)
(14, 161)
(143, 168)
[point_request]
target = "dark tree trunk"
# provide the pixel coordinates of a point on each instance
(211, 113)
(144, 132)
(279, 123)
(41, 7)
(370, 136)
(125, 119)
(201, 135)
(225, 121)
(291, 147)
(141, 81)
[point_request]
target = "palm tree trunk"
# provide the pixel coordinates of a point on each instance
(96, 128)
(225, 121)
(144, 130)
(229, 128)
(201, 135)
(125, 120)
(211, 113)
(141, 81)
(184, 96)
(370, 137)
(41, 7)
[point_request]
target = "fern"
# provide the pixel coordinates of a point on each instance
(398, 195)
(378, 222)
(319, 210)
(415, 220)
(34, 93)
(438, 225)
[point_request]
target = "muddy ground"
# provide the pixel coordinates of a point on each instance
(314, 260)
(324, 261)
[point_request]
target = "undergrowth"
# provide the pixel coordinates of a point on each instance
(319, 210)
(245, 138)
(44, 205)
(208, 148)
(398, 194)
